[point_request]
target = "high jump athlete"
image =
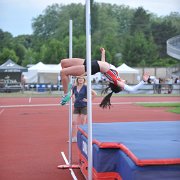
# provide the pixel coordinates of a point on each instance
(77, 67)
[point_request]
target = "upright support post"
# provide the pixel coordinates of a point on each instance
(70, 103)
(69, 164)
(89, 95)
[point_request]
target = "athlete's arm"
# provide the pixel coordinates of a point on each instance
(133, 88)
(139, 85)
(103, 54)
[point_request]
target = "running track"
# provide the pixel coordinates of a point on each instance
(33, 132)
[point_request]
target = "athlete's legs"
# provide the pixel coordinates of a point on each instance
(104, 66)
(70, 71)
(73, 67)
(71, 62)
(66, 70)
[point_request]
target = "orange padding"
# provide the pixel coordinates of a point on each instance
(96, 175)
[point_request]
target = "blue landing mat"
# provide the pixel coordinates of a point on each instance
(135, 149)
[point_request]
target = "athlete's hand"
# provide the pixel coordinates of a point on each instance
(102, 50)
(102, 54)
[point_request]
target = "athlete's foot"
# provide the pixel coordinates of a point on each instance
(66, 98)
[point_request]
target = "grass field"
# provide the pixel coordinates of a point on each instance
(173, 107)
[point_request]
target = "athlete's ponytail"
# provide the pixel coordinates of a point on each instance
(106, 100)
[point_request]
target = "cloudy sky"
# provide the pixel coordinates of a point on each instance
(16, 15)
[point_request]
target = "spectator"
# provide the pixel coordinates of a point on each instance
(177, 81)
(80, 105)
(156, 85)
(170, 85)
(23, 82)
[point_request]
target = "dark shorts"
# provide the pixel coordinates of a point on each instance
(94, 67)
(80, 110)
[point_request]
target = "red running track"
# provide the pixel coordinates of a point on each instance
(33, 134)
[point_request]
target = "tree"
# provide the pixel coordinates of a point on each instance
(52, 52)
(174, 18)
(161, 32)
(44, 26)
(78, 47)
(94, 16)
(20, 51)
(138, 51)
(124, 17)
(25, 40)
(141, 22)
(8, 54)
(6, 39)
(30, 57)
(130, 35)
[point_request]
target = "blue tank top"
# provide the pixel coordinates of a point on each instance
(79, 96)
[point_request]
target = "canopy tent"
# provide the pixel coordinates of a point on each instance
(43, 73)
(124, 69)
(12, 70)
(10, 66)
(38, 67)
(129, 74)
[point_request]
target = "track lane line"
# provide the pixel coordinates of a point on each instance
(2, 110)
(46, 105)
(70, 169)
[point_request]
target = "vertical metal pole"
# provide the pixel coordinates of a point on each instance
(70, 103)
(89, 96)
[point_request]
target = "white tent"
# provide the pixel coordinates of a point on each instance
(129, 74)
(46, 68)
(39, 66)
(124, 69)
(43, 73)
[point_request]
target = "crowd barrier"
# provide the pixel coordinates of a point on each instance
(98, 87)
(42, 87)
(147, 89)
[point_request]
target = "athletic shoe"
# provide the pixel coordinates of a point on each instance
(66, 98)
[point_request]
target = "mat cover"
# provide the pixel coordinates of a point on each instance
(141, 146)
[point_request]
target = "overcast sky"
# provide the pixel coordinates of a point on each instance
(16, 15)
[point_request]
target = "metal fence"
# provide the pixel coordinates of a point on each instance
(163, 88)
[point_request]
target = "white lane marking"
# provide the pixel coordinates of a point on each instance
(67, 163)
(2, 110)
(30, 100)
(45, 105)
(28, 105)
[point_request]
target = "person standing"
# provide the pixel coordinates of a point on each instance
(23, 82)
(80, 105)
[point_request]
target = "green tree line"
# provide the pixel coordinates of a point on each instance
(132, 36)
